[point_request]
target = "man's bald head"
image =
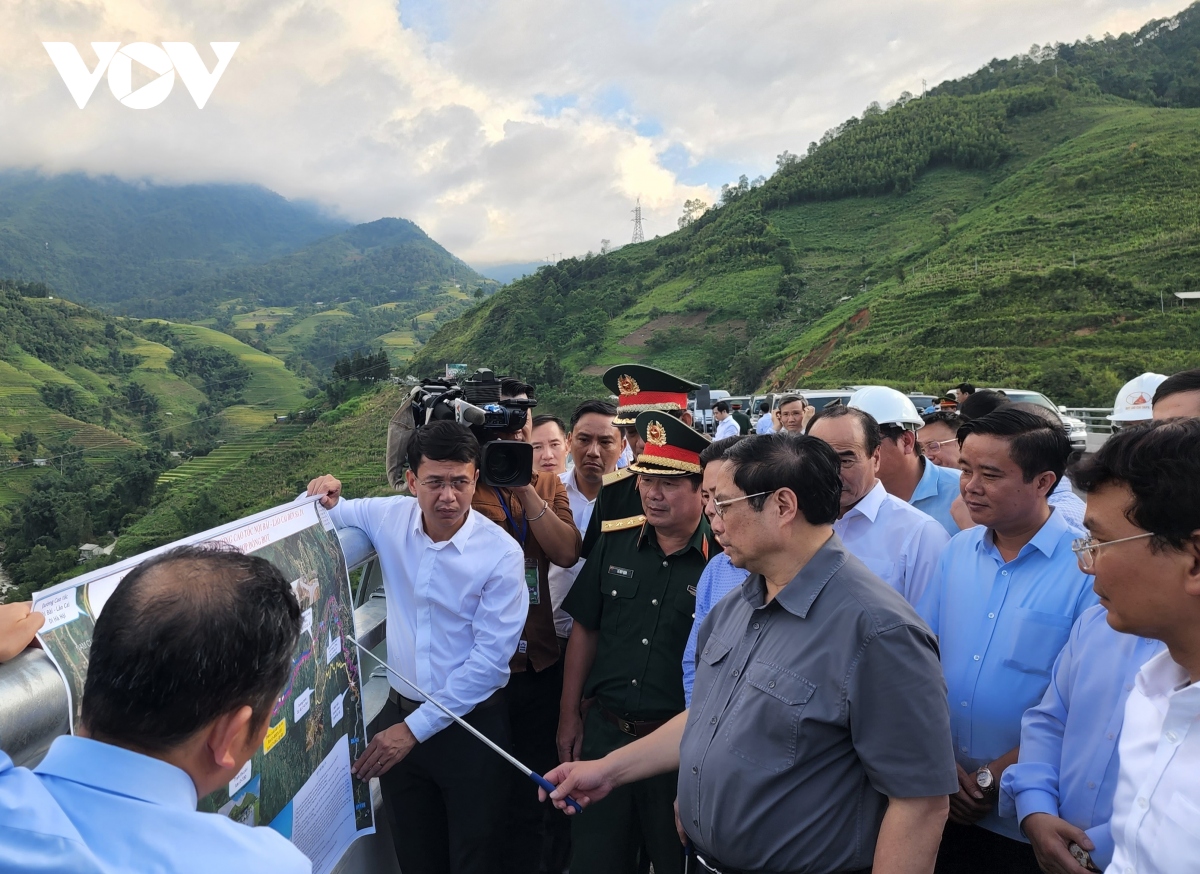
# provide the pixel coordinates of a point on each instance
(188, 636)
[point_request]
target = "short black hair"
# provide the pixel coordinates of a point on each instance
(792, 399)
(806, 465)
(966, 388)
(548, 419)
(510, 387)
(764, 407)
(716, 450)
(1160, 462)
(721, 406)
(189, 635)
(1185, 380)
(588, 408)
(949, 418)
(870, 427)
(442, 441)
(980, 404)
(1034, 443)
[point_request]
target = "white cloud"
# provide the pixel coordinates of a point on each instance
(508, 130)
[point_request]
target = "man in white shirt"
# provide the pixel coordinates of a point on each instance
(456, 604)
(594, 444)
(727, 426)
(1143, 517)
(890, 536)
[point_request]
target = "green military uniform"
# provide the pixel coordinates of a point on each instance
(638, 389)
(744, 426)
(642, 602)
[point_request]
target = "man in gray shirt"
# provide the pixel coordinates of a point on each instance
(818, 739)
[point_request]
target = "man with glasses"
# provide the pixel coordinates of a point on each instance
(890, 536)
(1143, 512)
(792, 415)
(456, 606)
(1002, 604)
(818, 737)
(633, 606)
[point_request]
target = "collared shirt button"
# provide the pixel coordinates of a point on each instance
(697, 822)
(1172, 737)
(965, 704)
(964, 749)
(706, 652)
(645, 642)
(736, 672)
(666, 564)
(991, 616)
(654, 603)
(756, 626)
(976, 658)
(1143, 803)
(1110, 735)
(771, 685)
(1004, 573)
(1091, 784)
(635, 682)
(614, 592)
(695, 770)
(1129, 869)
(713, 721)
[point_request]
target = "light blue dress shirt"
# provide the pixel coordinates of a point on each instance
(137, 813)
(455, 608)
(720, 577)
(1000, 626)
(935, 492)
(1069, 764)
(35, 834)
(894, 539)
(765, 424)
(1068, 504)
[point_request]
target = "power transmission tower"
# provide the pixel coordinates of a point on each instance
(638, 236)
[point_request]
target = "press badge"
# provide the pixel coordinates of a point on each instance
(531, 582)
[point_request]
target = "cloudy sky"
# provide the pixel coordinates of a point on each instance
(509, 129)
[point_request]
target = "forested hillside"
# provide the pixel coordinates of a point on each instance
(105, 241)
(1027, 225)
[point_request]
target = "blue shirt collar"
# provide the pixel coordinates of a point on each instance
(118, 771)
(1045, 541)
(929, 483)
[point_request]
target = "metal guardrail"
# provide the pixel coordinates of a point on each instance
(1096, 418)
(33, 697)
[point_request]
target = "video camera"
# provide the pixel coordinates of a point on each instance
(476, 403)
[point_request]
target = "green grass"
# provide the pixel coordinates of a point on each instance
(272, 386)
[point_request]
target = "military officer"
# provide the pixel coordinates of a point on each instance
(633, 606)
(638, 388)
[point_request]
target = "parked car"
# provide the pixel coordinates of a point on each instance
(1075, 428)
(702, 420)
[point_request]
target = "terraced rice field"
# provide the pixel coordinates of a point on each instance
(272, 386)
(231, 453)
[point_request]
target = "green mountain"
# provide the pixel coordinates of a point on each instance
(106, 241)
(1027, 225)
(385, 261)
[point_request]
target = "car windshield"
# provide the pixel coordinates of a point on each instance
(1030, 397)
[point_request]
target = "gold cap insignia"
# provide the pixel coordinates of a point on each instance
(627, 385)
(656, 434)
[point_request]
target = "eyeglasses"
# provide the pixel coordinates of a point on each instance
(436, 485)
(1085, 548)
(719, 506)
(938, 445)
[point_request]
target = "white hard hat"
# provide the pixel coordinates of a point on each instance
(887, 406)
(1133, 400)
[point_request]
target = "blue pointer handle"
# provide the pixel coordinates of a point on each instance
(550, 787)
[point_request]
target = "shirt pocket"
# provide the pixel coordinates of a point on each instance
(1038, 639)
(619, 586)
(685, 603)
(764, 725)
(708, 666)
(1177, 842)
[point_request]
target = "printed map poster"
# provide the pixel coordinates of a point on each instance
(299, 781)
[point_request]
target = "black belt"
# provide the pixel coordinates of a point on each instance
(706, 864)
(409, 705)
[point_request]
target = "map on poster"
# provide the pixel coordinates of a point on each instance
(299, 781)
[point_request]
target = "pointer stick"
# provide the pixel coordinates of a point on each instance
(516, 763)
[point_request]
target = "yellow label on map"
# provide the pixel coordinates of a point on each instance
(275, 735)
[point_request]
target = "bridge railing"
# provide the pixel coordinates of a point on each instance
(1096, 418)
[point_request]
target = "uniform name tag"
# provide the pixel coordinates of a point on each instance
(620, 571)
(692, 591)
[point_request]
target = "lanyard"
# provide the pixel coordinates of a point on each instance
(524, 529)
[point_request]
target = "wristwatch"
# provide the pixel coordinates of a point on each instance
(986, 780)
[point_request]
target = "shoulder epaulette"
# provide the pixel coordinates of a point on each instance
(616, 476)
(610, 525)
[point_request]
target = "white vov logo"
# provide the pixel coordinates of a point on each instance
(165, 61)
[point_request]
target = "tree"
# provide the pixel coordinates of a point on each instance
(692, 210)
(943, 218)
(785, 159)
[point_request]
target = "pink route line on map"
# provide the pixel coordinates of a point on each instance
(307, 654)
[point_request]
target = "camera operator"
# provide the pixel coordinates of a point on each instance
(538, 516)
(456, 603)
